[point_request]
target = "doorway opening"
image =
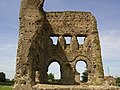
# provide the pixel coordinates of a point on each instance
(54, 73)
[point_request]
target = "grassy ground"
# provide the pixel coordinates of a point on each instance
(5, 87)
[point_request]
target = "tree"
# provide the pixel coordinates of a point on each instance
(84, 76)
(51, 78)
(2, 77)
(118, 81)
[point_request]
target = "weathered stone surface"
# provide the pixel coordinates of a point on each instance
(73, 87)
(36, 50)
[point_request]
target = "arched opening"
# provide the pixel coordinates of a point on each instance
(81, 71)
(54, 73)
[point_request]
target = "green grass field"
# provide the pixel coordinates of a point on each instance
(5, 87)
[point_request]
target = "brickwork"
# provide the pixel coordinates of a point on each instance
(36, 50)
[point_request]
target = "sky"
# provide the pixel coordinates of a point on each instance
(107, 13)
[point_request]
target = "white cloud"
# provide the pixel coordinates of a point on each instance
(110, 42)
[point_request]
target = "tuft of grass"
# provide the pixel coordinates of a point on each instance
(6, 87)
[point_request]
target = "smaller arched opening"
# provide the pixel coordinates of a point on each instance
(54, 72)
(81, 74)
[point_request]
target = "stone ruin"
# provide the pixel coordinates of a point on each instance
(36, 50)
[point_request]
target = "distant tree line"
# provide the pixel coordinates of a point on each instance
(4, 81)
(2, 77)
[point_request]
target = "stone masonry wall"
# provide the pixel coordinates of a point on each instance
(74, 24)
(36, 50)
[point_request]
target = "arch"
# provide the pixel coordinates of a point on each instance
(89, 65)
(82, 60)
(56, 79)
(81, 71)
(85, 59)
(54, 59)
(54, 73)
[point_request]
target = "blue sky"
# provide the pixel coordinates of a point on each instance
(107, 13)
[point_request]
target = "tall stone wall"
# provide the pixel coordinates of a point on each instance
(36, 50)
(74, 24)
